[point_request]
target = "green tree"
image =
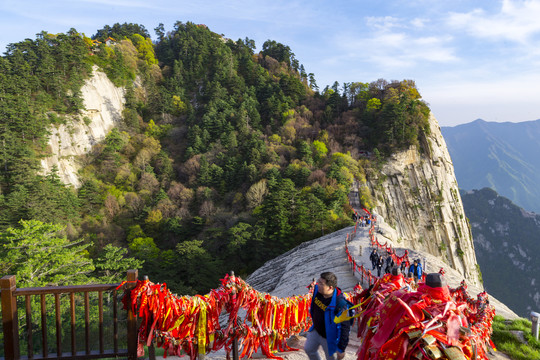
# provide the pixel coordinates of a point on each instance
(145, 48)
(278, 51)
(275, 216)
(319, 150)
(119, 31)
(201, 268)
(304, 152)
(39, 255)
(112, 264)
(144, 248)
(373, 104)
(237, 251)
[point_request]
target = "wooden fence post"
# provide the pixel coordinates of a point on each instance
(131, 318)
(10, 318)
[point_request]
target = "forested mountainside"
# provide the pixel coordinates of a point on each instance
(224, 158)
(502, 156)
(506, 239)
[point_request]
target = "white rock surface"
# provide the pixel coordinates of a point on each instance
(104, 104)
(418, 194)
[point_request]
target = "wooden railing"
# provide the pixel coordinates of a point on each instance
(10, 320)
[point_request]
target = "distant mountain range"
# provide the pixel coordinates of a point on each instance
(501, 156)
(507, 244)
(503, 160)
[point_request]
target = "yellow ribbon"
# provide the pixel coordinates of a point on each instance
(167, 314)
(344, 316)
(282, 325)
(177, 323)
(201, 328)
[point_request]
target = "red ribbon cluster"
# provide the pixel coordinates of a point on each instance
(479, 313)
(394, 322)
(398, 324)
(190, 325)
(352, 262)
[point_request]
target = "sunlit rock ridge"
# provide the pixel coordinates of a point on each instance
(417, 194)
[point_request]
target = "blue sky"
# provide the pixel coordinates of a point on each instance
(470, 59)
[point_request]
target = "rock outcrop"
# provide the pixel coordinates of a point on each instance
(290, 273)
(104, 104)
(417, 194)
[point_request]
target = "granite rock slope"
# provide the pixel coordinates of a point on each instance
(417, 193)
(104, 103)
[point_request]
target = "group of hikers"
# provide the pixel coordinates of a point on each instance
(363, 220)
(333, 336)
(391, 327)
(378, 261)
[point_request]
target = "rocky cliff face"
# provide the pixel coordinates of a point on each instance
(417, 194)
(104, 104)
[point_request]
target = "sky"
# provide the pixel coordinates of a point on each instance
(470, 59)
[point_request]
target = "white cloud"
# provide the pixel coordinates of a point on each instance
(388, 50)
(408, 47)
(384, 23)
(516, 21)
(418, 23)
